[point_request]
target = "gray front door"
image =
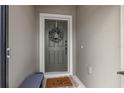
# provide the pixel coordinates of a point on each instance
(56, 45)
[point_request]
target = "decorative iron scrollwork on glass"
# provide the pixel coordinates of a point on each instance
(56, 35)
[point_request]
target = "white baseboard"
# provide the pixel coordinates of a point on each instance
(81, 85)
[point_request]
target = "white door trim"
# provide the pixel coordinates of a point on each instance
(122, 43)
(42, 40)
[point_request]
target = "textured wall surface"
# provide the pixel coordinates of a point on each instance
(22, 43)
(98, 30)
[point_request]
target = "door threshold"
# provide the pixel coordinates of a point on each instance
(56, 74)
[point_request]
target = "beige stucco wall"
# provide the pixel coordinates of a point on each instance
(98, 30)
(22, 43)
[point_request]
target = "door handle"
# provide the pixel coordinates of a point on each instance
(65, 47)
(120, 72)
(66, 50)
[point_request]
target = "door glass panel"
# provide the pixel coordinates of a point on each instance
(56, 45)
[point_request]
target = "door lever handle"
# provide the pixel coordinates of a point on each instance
(66, 50)
(120, 72)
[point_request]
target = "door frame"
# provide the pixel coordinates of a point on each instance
(44, 16)
(4, 45)
(122, 43)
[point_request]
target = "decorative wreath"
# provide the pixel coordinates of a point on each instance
(56, 35)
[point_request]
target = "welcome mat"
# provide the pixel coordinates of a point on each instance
(59, 82)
